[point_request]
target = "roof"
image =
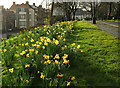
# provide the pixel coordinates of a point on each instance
(82, 13)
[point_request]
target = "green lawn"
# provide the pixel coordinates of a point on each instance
(98, 66)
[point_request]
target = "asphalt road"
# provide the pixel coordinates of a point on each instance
(112, 28)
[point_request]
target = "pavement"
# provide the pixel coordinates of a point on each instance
(112, 28)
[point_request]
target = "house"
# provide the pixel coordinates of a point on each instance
(2, 21)
(80, 14)
(7, 20)
(25, 14)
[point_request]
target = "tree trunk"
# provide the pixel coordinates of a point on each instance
(51, 16)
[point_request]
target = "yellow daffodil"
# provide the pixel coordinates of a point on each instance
(65, 56)
(27, 65)
(21, 78)
(68, 83)
(42, 76)
(78, 46)
(46, 43)
(40, 43)
(27, 55)
(26, 81)
(60, 75)
(32, 40)
(73, 78)
(43, 47)
(62, 48)
(4, 50)
(31, 50)
(23, 52)
(51, 56)
(36, 52)
(22, 44)
(48, 61)
(73, 44)
(37, 42)
(56, 62)
(26, 43)
(82, 51)
(65, 46)
(66, 61)
(11, 70)
(64, 39)
(38, 46)
(57, 56)
(45, 62)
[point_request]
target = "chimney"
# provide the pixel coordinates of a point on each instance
(27, 2)
(34, 4)
(40, 6)
(13, 3)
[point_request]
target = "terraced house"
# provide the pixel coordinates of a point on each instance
(7, 20)
(26, 15)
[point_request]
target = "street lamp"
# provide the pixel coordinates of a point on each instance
(94, 18)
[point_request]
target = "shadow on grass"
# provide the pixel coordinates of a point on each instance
(86, 71)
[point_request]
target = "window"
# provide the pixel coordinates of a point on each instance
(21, 16)
(22, 23)
(22, 9)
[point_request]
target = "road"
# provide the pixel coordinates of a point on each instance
(112, 28)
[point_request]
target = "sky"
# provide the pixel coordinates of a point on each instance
(8, 3)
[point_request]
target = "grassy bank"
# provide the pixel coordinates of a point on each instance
(99, 64)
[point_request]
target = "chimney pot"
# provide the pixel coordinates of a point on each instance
(34, 4)
(27, 2)
(13, 3)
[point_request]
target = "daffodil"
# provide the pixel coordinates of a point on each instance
(48, 61)
(23, 52)
(27, 55)
(66, 61)
(5, 50)
(32, 40)
(38, 46)
(65, 56)
(26, 81)
(65, 46)
(36, 52)
(11, 70)
(64, 39)
(57, 56)
(78, 46)
(21, 78)
(62, 48)
(40, 43)
(42, 76)
(43, 47)
(73, 44)
(45, 43)
(26, 44)
(56, 62)
(81, 51)
(73, 78)
(68, 83)
(31, 50)
(27, 65)
(37, 42)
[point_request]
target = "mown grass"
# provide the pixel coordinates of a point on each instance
(98, 66)
(112, 20)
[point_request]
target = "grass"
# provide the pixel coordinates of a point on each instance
(112, 20)
(99, 64)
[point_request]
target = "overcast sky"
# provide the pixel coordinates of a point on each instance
(8, 3)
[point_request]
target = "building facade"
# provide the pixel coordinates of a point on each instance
(7, 20)
(26, 15)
